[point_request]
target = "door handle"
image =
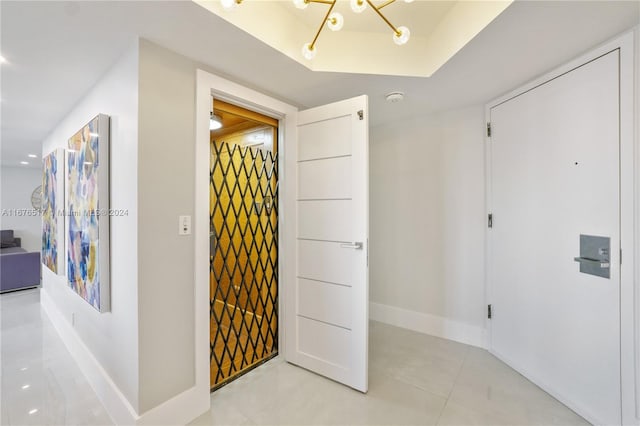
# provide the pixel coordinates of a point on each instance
(600, 263)
(355, 245)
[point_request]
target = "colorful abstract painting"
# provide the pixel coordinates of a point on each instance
(87, 213)
(52, 216)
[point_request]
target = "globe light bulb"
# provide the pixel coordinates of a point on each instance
(408, 1)
(402, 37)
(301, 4)
(308, 52)
(358, 6)
(229, 4)
(335, 21)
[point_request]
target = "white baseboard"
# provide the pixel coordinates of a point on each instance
(179, 410)
(429, 324)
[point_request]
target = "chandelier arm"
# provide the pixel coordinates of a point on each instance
(385, 4)
(313, 43)
(395, 30)
(322, 1)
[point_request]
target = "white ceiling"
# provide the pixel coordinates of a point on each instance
(58, 50)
(439, 29)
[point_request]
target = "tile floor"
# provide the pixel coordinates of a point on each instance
(41, 384)
(414, 379)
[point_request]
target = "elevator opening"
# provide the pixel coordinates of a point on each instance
(243, 258)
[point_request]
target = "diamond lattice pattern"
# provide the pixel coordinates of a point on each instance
(243, 258)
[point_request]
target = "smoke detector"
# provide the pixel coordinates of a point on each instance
(395, 97)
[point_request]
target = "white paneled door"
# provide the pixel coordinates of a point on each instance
(555, 175)
(326, 319)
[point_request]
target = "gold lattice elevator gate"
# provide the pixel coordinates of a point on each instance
(243, 271)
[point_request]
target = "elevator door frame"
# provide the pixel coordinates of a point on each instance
(208, 86)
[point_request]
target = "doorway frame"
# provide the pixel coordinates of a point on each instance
(209, 85)
(629, 222)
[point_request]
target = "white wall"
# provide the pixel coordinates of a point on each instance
(166, 267)
(16, 186)
(146, 344)
(112, 338)
(427, 224)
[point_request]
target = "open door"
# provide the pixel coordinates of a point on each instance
(326, 314)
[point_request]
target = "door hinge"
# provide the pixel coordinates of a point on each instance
(490, 220)
(361, 115)
(489, 311)
(489, 129)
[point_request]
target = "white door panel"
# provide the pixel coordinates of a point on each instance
(313, 143)
(325, 179)
(330, 303)
(555, 175)
(329, 220)
(324, 343)
(315, 255)
(328, 314)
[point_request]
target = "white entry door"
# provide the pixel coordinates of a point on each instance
(555, 174)
(326, 320)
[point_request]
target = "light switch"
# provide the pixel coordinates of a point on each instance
(184, 225)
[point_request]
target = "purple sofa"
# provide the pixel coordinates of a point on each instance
(18, 268)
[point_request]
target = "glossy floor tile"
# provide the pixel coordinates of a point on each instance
(414, 379)
(40, 382)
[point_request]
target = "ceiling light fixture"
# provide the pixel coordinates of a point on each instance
(335, 20)
(24, 163)
(2, 59)
(358, 6)
(230, 4)
(32, 156)
(215, 122)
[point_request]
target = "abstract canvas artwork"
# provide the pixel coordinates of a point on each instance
(52, 215)
(87, 212)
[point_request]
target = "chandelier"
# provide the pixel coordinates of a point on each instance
(335, 20)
